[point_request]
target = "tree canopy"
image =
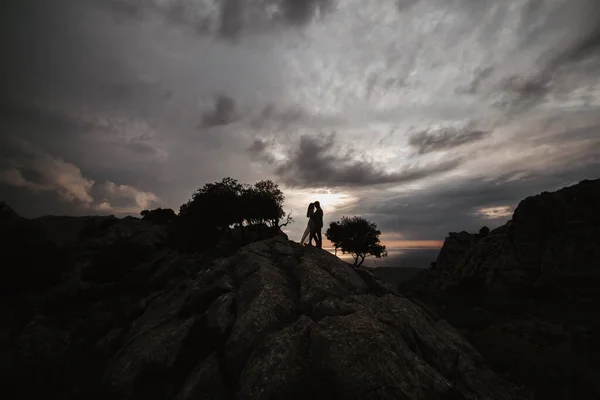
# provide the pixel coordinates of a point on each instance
(356, 236)
(219, 207)
(162, 216)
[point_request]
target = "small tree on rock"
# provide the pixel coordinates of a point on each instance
(162, 216)
(484, 232)
(356, 236)
(267, 201)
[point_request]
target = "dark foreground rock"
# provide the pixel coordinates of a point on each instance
(527, 294)
(124, 318)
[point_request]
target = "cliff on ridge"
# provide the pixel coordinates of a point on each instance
(527, 294)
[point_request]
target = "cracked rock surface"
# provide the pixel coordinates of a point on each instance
(273, 321)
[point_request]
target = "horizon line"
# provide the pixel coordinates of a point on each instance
(395, 248)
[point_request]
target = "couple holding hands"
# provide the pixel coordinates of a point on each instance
(315, 223)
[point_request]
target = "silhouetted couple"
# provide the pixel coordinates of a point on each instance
(315, 223)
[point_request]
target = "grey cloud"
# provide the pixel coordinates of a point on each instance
(446, 138)
(301, 11)
(259, 150)
(57, 56)
(123, 7)
(38, 171)
(271, 112)
(528, 88)
(589, 46)
(142, 148)
(404, 5)
(586, 44)
(318, 162)
(47, 126)
(479, 77)
(40, 203)
(522, 93)
(57, 123)
(230, 19)
(431, 214)
(560, 69)
(281, 118)
(223, 113)
(53, 174)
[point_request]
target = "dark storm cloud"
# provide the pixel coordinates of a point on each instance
(141, 148)
(431, 214)
(33, 114)
(443, 139)
(51, 128)
(259, 150)
(52, 53)
(320, 162)
(299, 12)
(589, 46)
(524, 93)
(479, 77)
(404, 5)
(223, 113)
(123, 7)
(552, 72)
(285, 118)
(271, 113)
(233, 17)
(586, 44)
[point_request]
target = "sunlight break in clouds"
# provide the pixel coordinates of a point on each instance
(143, 200)
(496, 212)
(331, 201)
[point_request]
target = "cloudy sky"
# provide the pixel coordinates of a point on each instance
(425, 116)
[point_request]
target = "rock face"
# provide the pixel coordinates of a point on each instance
(527, 294)
(553, 238)
(125, 318)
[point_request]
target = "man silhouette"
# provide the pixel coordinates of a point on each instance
(317, 224)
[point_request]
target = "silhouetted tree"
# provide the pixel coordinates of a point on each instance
(217, 208)
(162, 216)
(264, 203)
(356, 236)
(484, 232)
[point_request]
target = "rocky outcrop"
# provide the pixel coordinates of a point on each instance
(528, 293)
(552, 239)
(453, 252)
(130, 319)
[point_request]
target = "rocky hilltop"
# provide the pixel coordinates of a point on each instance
(527, 294)
(551, 243)
(99, 308)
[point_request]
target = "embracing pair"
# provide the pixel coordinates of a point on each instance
(315, 223)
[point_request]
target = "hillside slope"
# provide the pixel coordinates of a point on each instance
(118, 315)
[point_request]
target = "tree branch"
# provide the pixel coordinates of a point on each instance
(362, 259)
(288, 220)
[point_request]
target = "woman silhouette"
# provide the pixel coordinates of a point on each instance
(309, 227)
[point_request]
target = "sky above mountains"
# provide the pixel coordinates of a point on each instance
(424, 116)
